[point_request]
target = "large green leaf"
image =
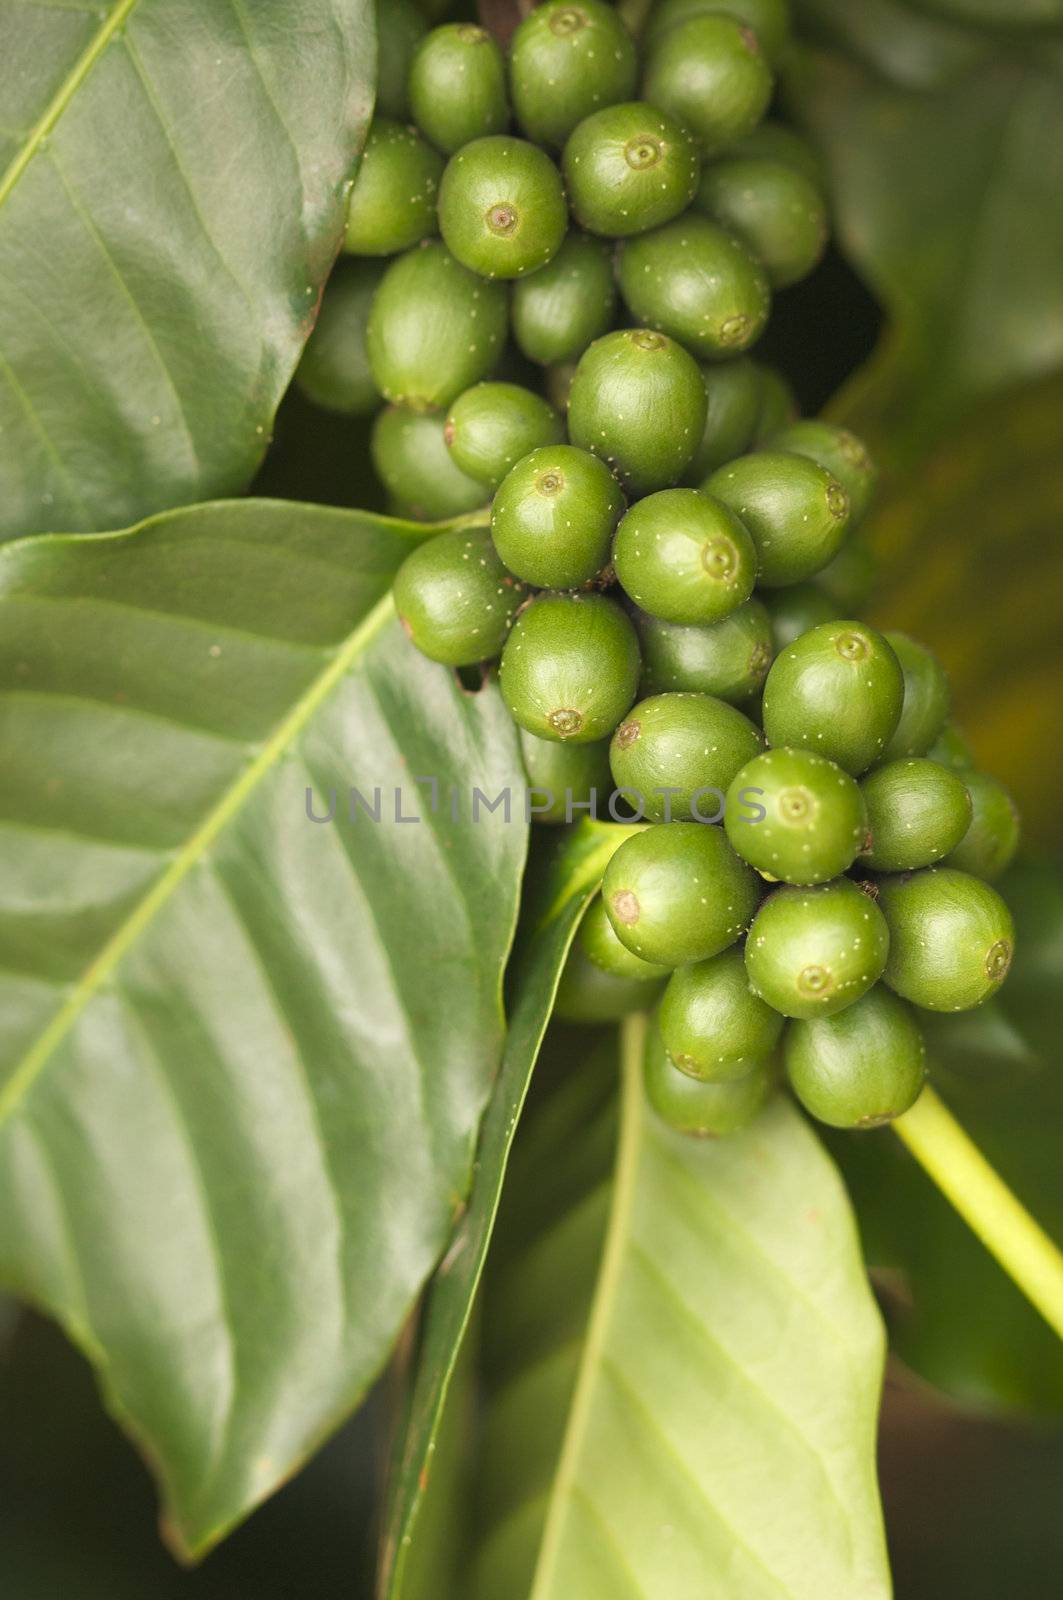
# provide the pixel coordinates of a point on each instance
(172, 185)
(691, 1413)
(245, 1055)
(946, 160)
(564, 876)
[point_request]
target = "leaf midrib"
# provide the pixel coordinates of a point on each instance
(43, 127)
(25, 1074)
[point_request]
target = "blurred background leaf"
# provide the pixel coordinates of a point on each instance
(173, 177)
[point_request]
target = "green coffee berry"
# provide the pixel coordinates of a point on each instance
(849, 579)
(638, 401)
(778, 213)
(413, 463)
(710, 74)
(796, 610)
(586, 993)
(692, 1106)
(457, 86)
(776, 141)
(400, 28)
(926, 698)
(567, 61)
(713, 1026)
(501, 207)
(675, 755)
(991, 840)
(836, 690)
(861, 1068)
(601, 945)
(811, 952)
(570, 667)
(795, 816)
(796, 512)
(334, 370)
(839, 452)
(393, 201)
(492, 425)
(562, 777)
(563, 307)
(917, 811)
(629, 168)
(558, 383)
(951, 938)
(455, 599)
(434, 329)
(732, 389)
(692, 280)
(951, 749)
(778, 406)
(554, 515)
(685, 557)
(679, 894)
(769, 19)
(728, 659)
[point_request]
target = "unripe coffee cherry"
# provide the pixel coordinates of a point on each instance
(812, 952)
(769, 20)
(839, 452)
(728, 659)
(629, 168)
(917, 812)
(795, 816)
(589, 994)
(638, 401)
(501, 207)
(711, 74)
(413, 463)
(600, 944)
(861, 1068)
(796, 610)
(492, 425)
(685, 557)
(706, 1110)
(563, 307)
(926, 698)
(457, 86)
(334, 370)
(991, 840)
(455, 598)
(777, 141)
(696, 282)
(796, 512)
(562, 777)
(778, 213)
(951, 938)
(713, 1026)
(554, 515)
(679, 894)
(434, 329)
(566, 61)
(677, 753)
(950, 748)
(733, 391)
(836, 690)
(393, 201)
(396, 44)
(570, 668)
(778, 406)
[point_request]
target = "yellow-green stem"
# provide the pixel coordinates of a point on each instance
(986, 1204)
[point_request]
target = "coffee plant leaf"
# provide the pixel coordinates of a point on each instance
(245, 1054)
(962, 253)
(683, 1363)
(565, 871)
(173, 182)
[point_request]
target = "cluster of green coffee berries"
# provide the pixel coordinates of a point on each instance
(666, 571)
